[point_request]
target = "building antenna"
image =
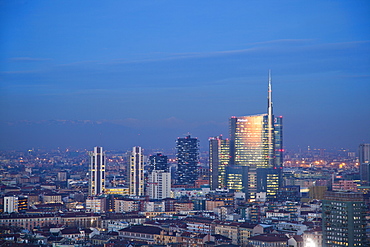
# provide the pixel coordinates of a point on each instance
(270, 123)
(269, 97)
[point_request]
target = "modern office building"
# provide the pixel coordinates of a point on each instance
(364, 156)
(97, 172)
(158, 162)
(159, 184)
(137, 172)
(256, 142)
(251, 181)
(278, 142)
(187, 160)
(248, 141)
(249, 144)
(343, 219)
(268, 181)
(237, 177)
(219, 157)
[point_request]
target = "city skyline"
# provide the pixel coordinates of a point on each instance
(124, 74)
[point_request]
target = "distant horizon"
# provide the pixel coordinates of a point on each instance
(171, 150)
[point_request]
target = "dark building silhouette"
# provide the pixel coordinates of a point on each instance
(289, 193)
(187, 160)
(158, 162)
(364, 154)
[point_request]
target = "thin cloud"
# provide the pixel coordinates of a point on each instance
(29, 59)
(19, 72)
(354, 76)
(79, 63)
(335, 46)
(187, 55)
(213, 53)
(279, 41)
(303, 44)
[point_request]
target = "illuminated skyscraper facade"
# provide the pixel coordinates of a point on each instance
(278, 140)
(249, 141)
(219, 156)
(187, 160)
(256, 142)
(137, 172)
(237, 177)
(97, 172)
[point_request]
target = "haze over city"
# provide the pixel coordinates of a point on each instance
(122, 73)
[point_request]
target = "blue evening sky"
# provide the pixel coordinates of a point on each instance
(123, 73)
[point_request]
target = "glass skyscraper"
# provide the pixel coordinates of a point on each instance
(219, 151)
(278, 135)
(256, 142)
(249, 141)
(250, 145)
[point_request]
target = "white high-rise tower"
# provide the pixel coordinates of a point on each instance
(137, 172)
(97, 172)
(159, 185)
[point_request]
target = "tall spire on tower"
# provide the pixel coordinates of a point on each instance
(269, 97)
(270, 127)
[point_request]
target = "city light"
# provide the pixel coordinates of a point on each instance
(310, 243)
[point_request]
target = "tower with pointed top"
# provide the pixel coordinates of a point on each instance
(256, 145)
(270, 126)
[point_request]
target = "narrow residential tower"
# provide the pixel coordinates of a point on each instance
(97, 172)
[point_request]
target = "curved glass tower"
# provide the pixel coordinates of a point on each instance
(256, 142)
